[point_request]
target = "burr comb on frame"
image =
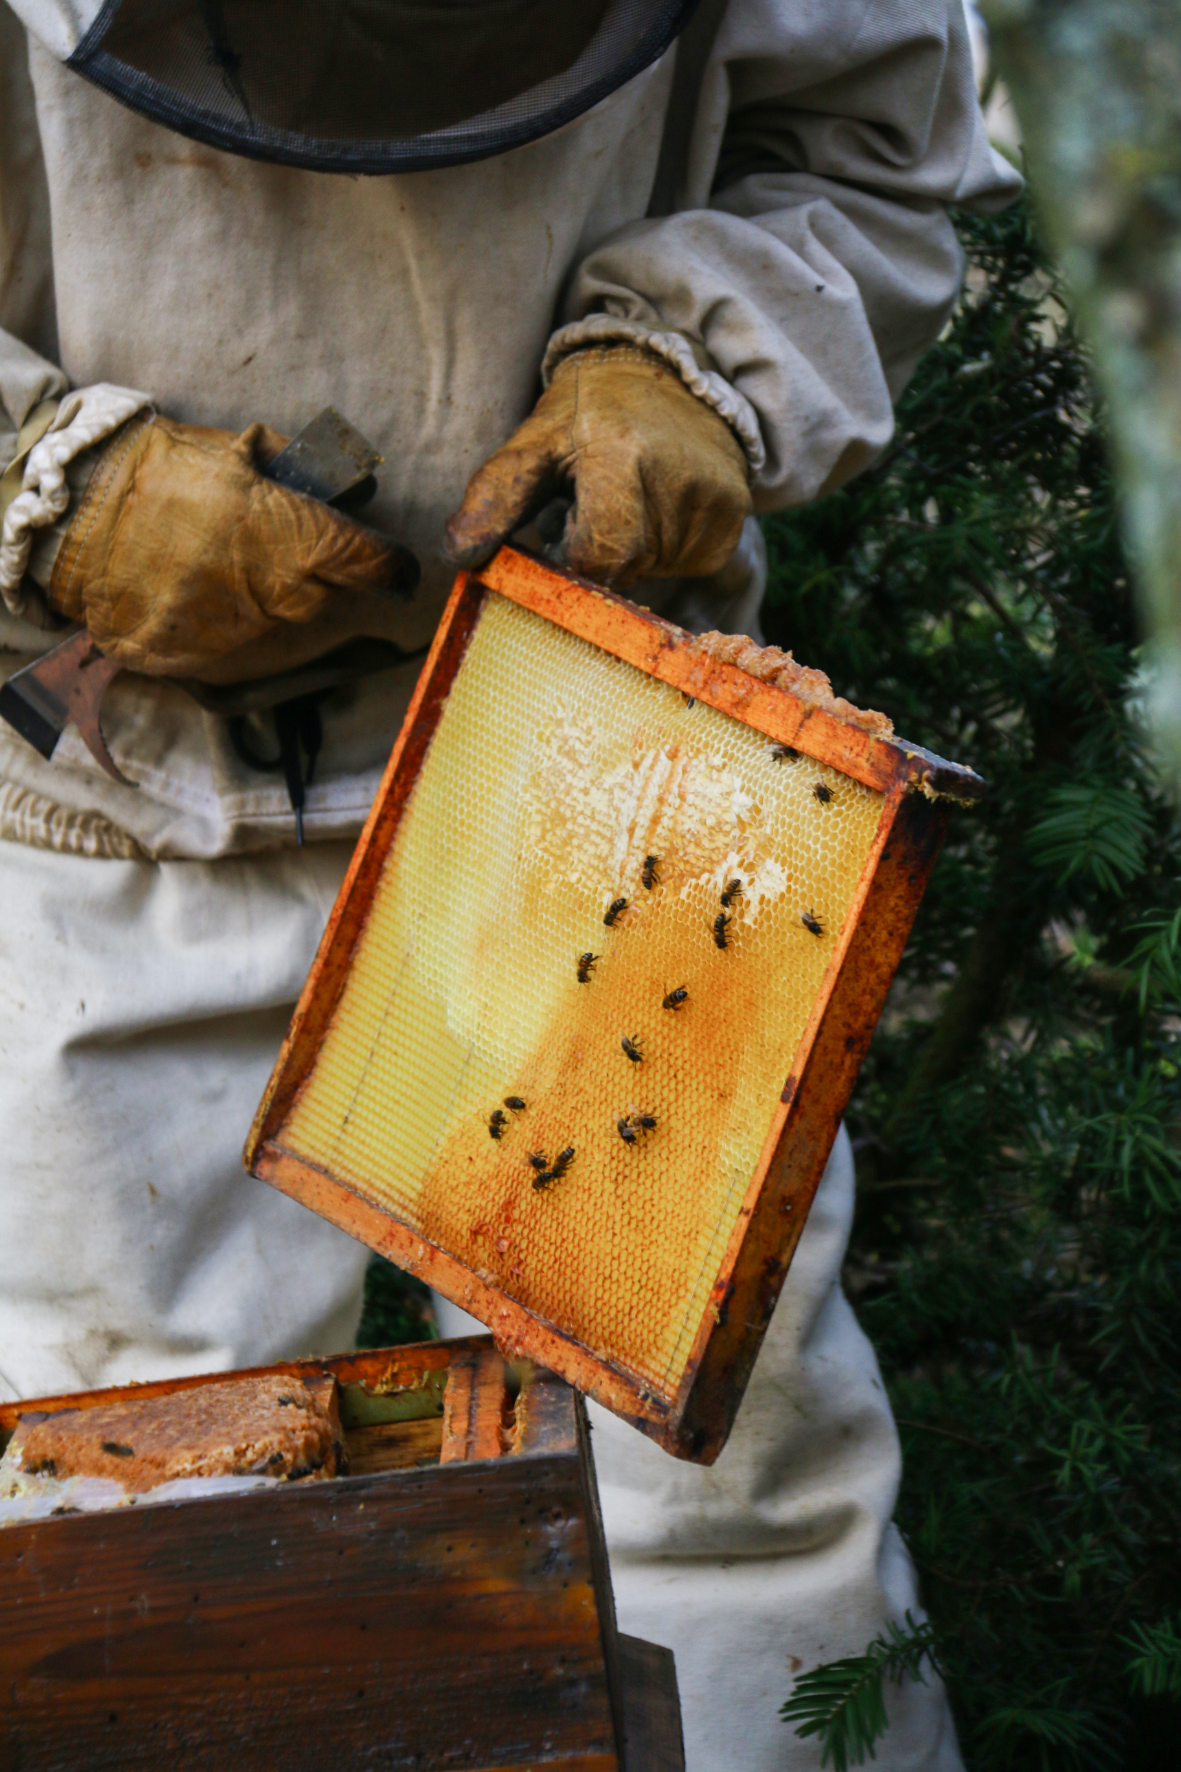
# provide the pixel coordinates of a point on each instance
(655, 898)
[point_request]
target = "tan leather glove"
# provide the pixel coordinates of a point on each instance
(660, 481)
(184, 561)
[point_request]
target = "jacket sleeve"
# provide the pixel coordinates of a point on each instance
(810, 259)
(44, 427)
(26, 381)
(27, 335)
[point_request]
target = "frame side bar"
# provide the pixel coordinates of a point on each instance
(322, 989)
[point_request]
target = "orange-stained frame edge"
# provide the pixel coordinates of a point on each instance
(663, 650)
(696, 1421)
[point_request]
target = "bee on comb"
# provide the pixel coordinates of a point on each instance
(633, 1123)
(731, 891)
(515, 1103)
(675, 998)
(812, 922)
(721, 924)
(497, 1121)
(631, 1046)
(781, 753)
(555, 1172)
(822, 793)
(614, 912)
(650, 875)
(586, 965)
(537, 1160)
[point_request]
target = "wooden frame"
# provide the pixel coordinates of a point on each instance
(918, 790)
(448, 1603)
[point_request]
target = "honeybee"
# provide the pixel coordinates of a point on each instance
(542, 1180)
(812, 922)
(631, 1045)
(514, 1102)
(822, 793)
(497, 1121)
(586, 965)
(538, 1160)
(646, 1121)
(563, 1161)
(650, 876)
(731, 891)
(614, 912)
(721, 924)
(675, 998)
(781, 753)
(626, 1130)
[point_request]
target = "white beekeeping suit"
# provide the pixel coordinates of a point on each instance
(734, 239)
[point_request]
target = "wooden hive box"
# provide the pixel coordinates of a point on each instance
(595, 992)
(446, 1604)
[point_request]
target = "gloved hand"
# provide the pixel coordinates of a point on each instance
(660, 481)
(184, 561)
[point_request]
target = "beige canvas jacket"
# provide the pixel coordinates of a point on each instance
(808, 258)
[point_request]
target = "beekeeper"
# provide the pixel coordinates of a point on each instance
(672, 263)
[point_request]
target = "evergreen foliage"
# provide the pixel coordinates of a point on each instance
(1017, 1251)
(1155, 1667)
(397, 1308)
(844, 1701)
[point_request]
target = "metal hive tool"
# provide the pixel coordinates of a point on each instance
(610, 1162)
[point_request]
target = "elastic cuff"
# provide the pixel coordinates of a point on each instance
(678, 352)
(83, 418)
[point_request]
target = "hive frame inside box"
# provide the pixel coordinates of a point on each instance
(918, 790)
(423, 1610)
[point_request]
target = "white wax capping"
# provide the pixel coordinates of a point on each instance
(33, 1495)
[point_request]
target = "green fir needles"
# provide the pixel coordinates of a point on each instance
(844, 1702)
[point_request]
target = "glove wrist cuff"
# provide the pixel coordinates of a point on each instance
(89, 532)
(81, 419)
(673, 348)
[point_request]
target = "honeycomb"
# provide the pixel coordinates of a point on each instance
(561, 780)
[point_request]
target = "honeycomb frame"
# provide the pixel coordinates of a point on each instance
(688, 1402)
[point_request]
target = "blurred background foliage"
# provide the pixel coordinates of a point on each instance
(1017, 1251)
(397, 1308)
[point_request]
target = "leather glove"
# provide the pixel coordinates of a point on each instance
(184, 561)
(660, 481)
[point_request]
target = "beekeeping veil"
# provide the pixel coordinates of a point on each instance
(358, 85)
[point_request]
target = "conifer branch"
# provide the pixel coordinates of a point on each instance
(844, 1702)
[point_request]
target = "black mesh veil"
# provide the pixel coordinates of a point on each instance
(371, 86)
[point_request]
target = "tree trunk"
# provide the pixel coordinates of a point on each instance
(1097, 88)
